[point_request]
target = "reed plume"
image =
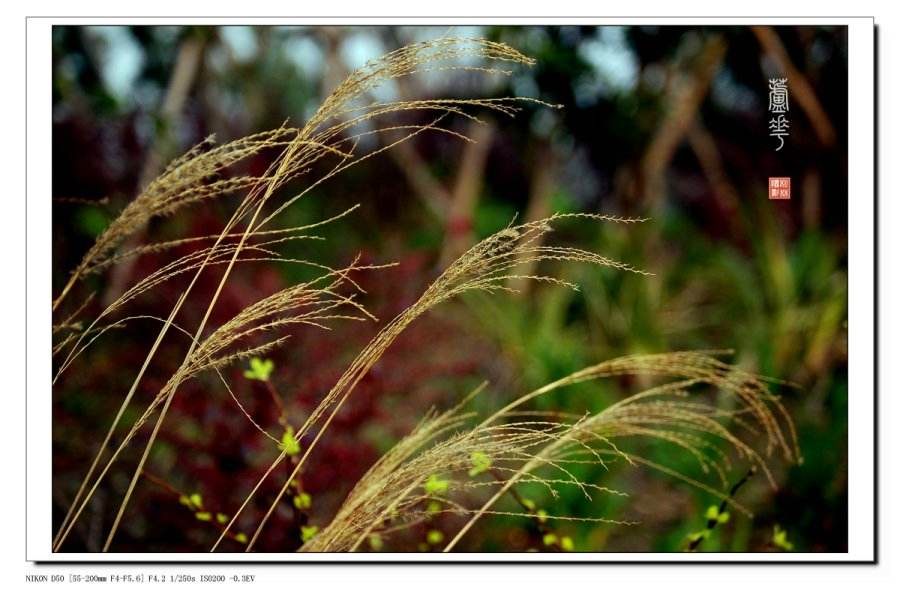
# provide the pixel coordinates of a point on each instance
(530, 447)
(520, 447)
(334, 132)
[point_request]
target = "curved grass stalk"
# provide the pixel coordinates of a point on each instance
(611, 422)
(183, 370)
(73, 514)
(181, 184)
(483, 267)
(392, 494)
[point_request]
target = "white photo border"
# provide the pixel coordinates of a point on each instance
(862, 387)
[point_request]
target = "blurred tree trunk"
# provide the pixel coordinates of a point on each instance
(704, 146)
(682, 103)
(543, 183)
(187, 63)
(466, 191)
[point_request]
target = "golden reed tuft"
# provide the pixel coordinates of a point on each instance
(513, 444)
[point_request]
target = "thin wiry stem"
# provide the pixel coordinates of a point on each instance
(479, 268)
(392, 493)
(184, 182)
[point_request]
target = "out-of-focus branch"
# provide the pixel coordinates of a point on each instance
(335, 70)
(467, 188)
(426, 186)
(812, 198)
(704, 146)
(430, 190)
(453, 207)
(799, 85)
(543, 182)
(187, 63)
(683, 101)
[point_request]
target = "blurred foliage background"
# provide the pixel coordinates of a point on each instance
(667, 123)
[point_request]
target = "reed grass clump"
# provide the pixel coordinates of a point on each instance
(450, 458)
(534, 446)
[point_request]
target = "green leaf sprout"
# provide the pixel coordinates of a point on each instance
(260, 369)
